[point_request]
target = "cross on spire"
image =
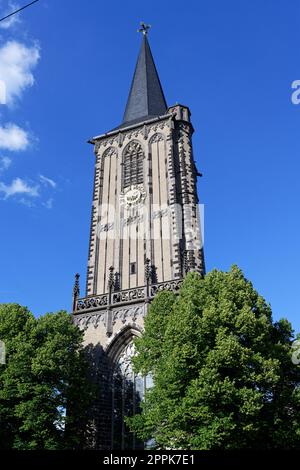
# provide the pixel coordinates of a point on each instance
(144, 28)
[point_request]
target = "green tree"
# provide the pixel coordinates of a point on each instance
(45, 374)
(222, 369)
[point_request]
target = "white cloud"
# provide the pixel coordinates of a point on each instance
(18, 186)
(16, 64)
(5, 163)
(47, 181)
(13, 137)
(12, 20)
(48, 204)
(26, 202)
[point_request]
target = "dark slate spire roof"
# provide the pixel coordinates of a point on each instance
(146, 98)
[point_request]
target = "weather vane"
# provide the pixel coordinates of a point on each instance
(144, 28)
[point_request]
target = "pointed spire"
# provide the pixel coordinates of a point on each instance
(146, 98)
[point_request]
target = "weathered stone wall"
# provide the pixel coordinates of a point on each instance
(103, 351)
(169, 178)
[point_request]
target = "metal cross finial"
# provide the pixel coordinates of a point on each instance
(144, 28)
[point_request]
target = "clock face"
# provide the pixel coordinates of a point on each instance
(133, 196)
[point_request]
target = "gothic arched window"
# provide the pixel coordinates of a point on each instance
(133, 164)
(128, 392)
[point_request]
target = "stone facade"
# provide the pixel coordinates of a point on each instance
(169, 183)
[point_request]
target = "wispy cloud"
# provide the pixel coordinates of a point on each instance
(49, 203)
(12, 20)
(27, 192)
(18, 186)
(16, 64)
(5, 163)
(47, 181)
(27, 202)
(13, 137)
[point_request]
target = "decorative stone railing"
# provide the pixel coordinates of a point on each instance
(128, 295)
(173, 286)
(136, 294)
(92, 302)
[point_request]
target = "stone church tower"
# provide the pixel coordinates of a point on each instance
(145, 236)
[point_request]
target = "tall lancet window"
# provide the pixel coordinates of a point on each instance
(128, 392)
(133, 164)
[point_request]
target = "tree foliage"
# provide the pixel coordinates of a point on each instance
(45, 374)
(222, 369)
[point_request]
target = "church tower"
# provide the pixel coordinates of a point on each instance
(145, 236)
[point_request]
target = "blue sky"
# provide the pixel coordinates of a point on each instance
(68, 65)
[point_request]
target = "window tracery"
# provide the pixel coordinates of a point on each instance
(133, 164)
(128, 392)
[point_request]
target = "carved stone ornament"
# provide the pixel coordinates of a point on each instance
(110, 152)
(83, 321)
(128, 314)
(92, 302)
(156, 138)
(136, 294)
